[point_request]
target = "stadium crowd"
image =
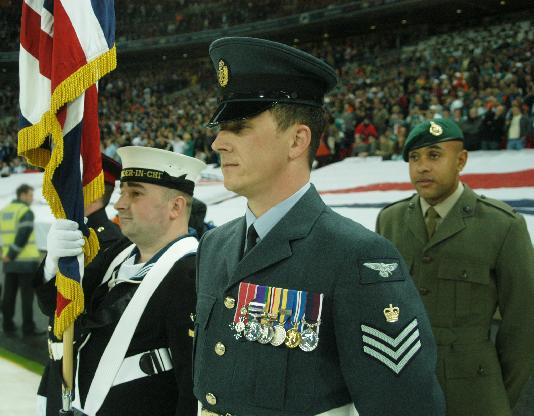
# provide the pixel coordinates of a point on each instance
(482, 77)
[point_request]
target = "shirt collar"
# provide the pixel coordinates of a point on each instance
(267, 221)
(445, 206)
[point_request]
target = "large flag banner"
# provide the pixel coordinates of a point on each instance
(66, 46)
(359, 187)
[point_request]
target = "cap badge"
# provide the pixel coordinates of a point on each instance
(223, 74)
(435, 129)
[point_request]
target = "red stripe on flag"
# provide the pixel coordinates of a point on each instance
(90, 146)
(523, 178)
(61, 303)
(68, 55)
(62, 116)
(30, 30)
(46, 44)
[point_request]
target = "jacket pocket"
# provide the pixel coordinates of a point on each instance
(462, 285)
(473, 383)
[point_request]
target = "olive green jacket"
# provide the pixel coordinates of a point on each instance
(480, 258)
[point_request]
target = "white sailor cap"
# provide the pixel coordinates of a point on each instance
(160, 167)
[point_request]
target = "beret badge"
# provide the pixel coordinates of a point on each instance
(435, 129)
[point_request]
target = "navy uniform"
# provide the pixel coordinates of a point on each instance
(108, 233)
(480, 257)
(319, 315)
(153, 373)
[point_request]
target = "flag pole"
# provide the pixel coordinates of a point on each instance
(67, 371)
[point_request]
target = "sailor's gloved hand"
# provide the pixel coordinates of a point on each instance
(64, 240)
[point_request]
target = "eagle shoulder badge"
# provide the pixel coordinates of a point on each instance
(223, 73)
(435, 129)
(383, 269)
(380, 270)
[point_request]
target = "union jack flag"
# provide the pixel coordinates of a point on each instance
(66, 46)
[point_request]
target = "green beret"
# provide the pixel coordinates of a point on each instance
(431, 132)
(254, 74)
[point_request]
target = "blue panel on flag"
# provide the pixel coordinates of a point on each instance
(105, 13)
(23, 122)
(49, 5)
(70, 267)
(67, 177)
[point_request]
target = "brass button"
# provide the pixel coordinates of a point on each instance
(100, 229)
(229, 302)
(424, 291)
(220, 349)
(481, 371)
(427, 259)
(211, 399)
(49, 328)
(464, 275)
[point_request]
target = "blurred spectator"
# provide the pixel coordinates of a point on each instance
(385, 146)
(365, 136)
(518, 126)
(471, 128)
(492, 128)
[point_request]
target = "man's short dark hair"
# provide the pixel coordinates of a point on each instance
(23, 189)
(314, 117)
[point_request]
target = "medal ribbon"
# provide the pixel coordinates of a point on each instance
(283, 306)
(256, 307)
(290, 305)
(301, 308)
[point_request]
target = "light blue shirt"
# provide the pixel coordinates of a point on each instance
(267, 221)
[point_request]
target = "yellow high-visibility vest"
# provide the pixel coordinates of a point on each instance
(9, 225)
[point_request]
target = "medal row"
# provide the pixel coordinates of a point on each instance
(278, 316)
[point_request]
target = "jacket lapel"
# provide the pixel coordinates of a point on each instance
(454, 222)
(415, 221)
(276, 245)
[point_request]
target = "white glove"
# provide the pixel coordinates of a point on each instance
(63, 240)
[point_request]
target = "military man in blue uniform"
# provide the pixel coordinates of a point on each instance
(300, 311)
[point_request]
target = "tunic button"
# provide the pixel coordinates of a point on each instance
(464, 275)
(100, 229)
(229, 302)
(220, 349)
(481, 371)
(211, 399)
(427, 259)
(424, 291)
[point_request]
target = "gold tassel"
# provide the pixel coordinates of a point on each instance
(72, 291)
(94, 189)
(91, 247)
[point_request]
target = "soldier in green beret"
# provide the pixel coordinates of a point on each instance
(468, 255)
(300, 311)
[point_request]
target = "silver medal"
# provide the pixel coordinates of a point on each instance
(279, 335)
(252, 330)
(266, 334)
(240, 326)
(310, 340)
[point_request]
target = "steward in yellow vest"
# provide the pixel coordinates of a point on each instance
(20, 258)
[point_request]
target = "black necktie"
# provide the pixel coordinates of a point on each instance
(252, 237)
